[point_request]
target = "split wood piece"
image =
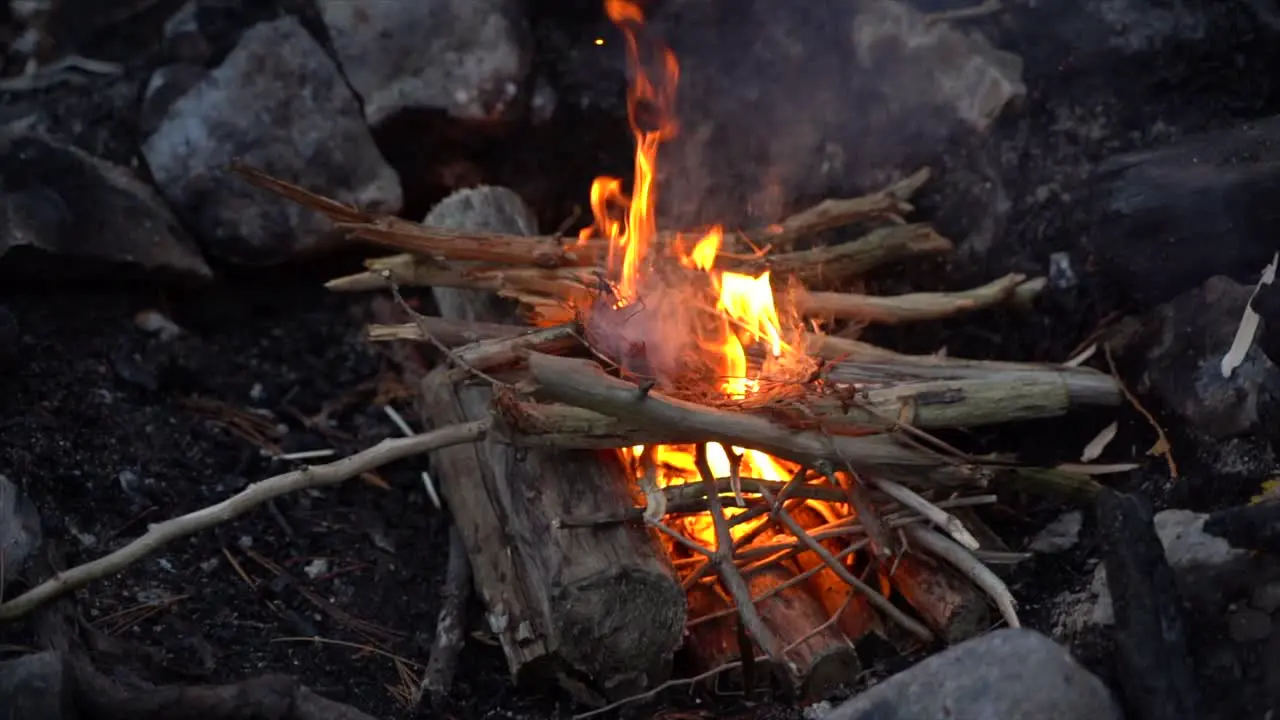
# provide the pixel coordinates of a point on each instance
(433, 242)
(412, 268)
(889, 203)
(912, 307)
(503, 352)
(863, 362)
(830, 265)
(823, 661)
(583, 384)
(569, 284)
(1153, 662)
(974, 395)
(162, 533)
(927, 405)
(599, 608)
(961, 403)
(451, 622)
(948, 603)
(449, 333)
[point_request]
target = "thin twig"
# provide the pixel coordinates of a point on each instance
(882, 545)
(946, 549)
(163, 533)
(931, 512)
(1162, 446)
(878, 601)
(420, 320)
(729, 574)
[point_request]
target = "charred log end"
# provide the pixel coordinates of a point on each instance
(949, 604)
(620, 629)
(825, 660)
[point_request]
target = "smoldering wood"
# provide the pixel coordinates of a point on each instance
(823, 661)
(597, 608)
(1207, 200)
(1248, 527)
(948, 603)
(1153, 662)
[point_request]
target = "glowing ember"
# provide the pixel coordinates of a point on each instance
(672, 313)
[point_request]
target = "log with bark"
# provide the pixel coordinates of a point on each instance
(597, 608)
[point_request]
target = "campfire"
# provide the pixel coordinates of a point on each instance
(675, 455)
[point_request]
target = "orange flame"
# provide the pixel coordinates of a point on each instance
(743, 303)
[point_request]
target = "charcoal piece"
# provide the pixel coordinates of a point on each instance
(1153, 665)
(1248, 527)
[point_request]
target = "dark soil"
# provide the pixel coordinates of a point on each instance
(97, 428)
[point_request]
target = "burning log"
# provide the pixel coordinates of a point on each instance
(822, 660)
(597, 607)
(955, 609)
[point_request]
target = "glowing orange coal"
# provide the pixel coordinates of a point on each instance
(656, 321)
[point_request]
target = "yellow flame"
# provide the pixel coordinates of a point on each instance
(745, 303)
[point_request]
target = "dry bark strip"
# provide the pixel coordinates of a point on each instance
(598, 608)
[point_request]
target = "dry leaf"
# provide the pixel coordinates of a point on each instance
(1248, 323)
(1099, 443)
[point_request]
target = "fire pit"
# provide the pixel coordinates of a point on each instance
(697, 357)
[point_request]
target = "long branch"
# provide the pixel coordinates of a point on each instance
(912, 307)
(582, 383)
(163, 533)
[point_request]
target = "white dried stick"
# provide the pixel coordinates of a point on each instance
(163, 533)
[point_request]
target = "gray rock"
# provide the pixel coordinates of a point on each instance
(20, 531)
(1183, 342)
(467, 57)
(279, 104)
(1012, 673)
(1208, 570)
(32, 688)
(61, 206)
(1247, 625)
(1060, 535)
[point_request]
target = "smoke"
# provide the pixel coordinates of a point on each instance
(782, 103)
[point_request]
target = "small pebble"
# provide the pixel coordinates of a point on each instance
(1247, 625)
(316, 568)
(158, 324)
